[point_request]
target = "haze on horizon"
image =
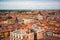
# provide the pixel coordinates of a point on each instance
(29, 4)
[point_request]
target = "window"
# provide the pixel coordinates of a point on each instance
(53, 13)
(9, 17)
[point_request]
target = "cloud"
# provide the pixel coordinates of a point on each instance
(29, 5)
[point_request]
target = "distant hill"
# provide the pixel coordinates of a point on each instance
(14, 10)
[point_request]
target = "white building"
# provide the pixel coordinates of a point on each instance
(40, 17)
(17, 35)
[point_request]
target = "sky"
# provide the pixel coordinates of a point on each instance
(29, 4)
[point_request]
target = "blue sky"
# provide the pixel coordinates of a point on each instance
(29, 4)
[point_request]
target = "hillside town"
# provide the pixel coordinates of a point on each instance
(30, 25)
